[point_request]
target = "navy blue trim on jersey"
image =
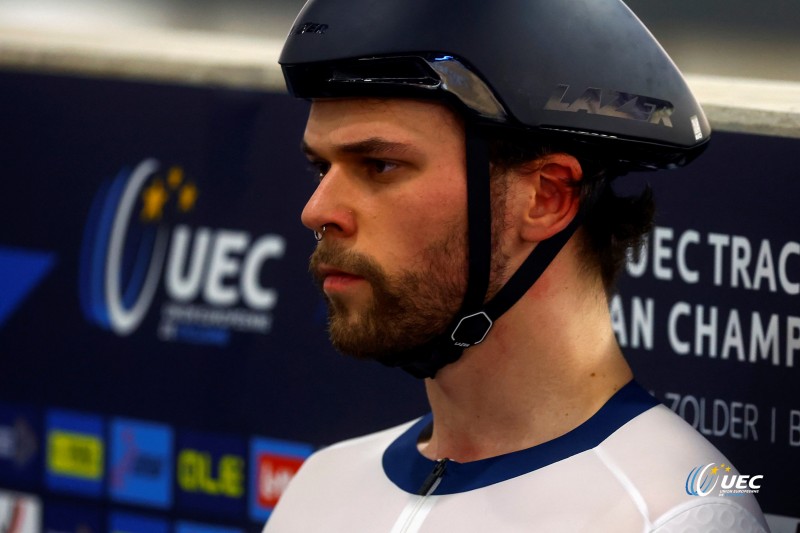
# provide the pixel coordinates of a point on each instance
(408, 469)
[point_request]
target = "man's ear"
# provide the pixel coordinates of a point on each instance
(553, 198)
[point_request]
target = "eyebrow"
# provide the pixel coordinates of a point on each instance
(371, 146)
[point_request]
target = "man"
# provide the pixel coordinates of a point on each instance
(468, 234)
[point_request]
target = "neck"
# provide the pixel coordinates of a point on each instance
(540, 373)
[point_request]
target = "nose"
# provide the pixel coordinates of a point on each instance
(331, 205)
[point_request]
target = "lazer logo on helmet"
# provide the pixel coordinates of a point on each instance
(610, 103)
(213, 278)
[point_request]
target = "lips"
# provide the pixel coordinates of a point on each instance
(334, 279)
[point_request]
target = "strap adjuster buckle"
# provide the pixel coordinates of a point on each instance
(471, 329)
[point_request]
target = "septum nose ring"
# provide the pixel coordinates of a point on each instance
(318, 235)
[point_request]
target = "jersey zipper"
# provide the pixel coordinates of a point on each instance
(408, 517)
(434, 478)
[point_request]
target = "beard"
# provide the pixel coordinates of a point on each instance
(406, 309)
(409, 308)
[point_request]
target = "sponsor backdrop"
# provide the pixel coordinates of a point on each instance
(163, 359)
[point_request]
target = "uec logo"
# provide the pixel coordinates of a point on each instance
(124, 255)
(702, 480)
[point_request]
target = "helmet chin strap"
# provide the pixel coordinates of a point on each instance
(472, 322)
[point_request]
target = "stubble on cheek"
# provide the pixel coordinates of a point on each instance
(404, 310)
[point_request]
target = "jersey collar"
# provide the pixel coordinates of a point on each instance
(407, 468)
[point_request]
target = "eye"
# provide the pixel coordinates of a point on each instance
(380, 166)
(319, 169)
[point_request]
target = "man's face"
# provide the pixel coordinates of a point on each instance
(392, 195)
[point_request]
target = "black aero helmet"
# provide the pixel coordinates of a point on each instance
(587, 69)
(585, 73)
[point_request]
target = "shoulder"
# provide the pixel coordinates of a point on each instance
(364, 449)
(653, 457)
(647, 433)
(351, 458)
(331, 479)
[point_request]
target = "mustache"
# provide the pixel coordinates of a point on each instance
(336, 256)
